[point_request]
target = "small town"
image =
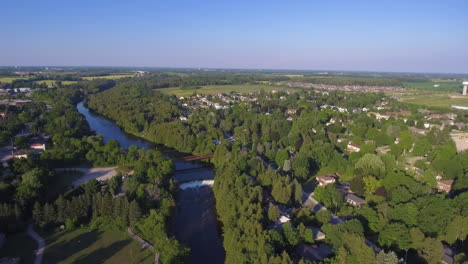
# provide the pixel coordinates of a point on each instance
(237, 132)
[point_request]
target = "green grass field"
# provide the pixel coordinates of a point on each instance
(11, 79)
(433, 99)
(117, 76)
(50, 82)
(215, 89)
(443, 85)
(85, 246)
(19, 245)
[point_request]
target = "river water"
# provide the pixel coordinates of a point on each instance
(194, 222)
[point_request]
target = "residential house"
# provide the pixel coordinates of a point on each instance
(318, 234)
(444, 185)
(339, 140)
(424, 111)
(354, 200)
(353, 147)
(434, 117)
(20, 155)
(40, 146)
(383, 149)
(291, 111)
(314, 252)
(451, 116)
(324, 180)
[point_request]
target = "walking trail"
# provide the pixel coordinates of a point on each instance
(41, 244)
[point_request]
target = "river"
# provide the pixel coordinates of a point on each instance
(194, 222)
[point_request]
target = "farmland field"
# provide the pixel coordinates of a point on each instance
(50, 82)
(215, 89)
(11, 79)
(94, 246)
(433, 99)
(117, 76)
(435, 85)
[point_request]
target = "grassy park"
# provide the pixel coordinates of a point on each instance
(116, 76)
(19, 245)
(215, 89)
(94, 246)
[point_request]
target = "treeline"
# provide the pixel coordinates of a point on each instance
(92, 206)
(363, 81)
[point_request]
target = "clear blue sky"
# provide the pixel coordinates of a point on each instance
(373, 35)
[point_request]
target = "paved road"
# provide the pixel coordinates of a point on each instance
(41, 244)
(100, 174)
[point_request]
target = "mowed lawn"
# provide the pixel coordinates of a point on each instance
(94, 246)
(19, 245)
(216, 89)
(117, 76)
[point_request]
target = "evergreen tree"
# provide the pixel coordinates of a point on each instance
(133, 212)
(37, 214)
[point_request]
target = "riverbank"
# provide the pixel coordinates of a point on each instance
(194, 221)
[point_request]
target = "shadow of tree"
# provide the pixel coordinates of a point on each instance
(61, 251)
(103, 254)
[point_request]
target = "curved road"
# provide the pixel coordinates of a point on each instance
(41, 244)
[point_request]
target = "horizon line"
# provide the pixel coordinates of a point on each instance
(233, 68)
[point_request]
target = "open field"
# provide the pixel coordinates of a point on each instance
(94, 246)
(433, 99)
(117, 76)
(215, 89)
(11, 79)
(19, 245)
(442, 85)
(86, 174)
(50, 82)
